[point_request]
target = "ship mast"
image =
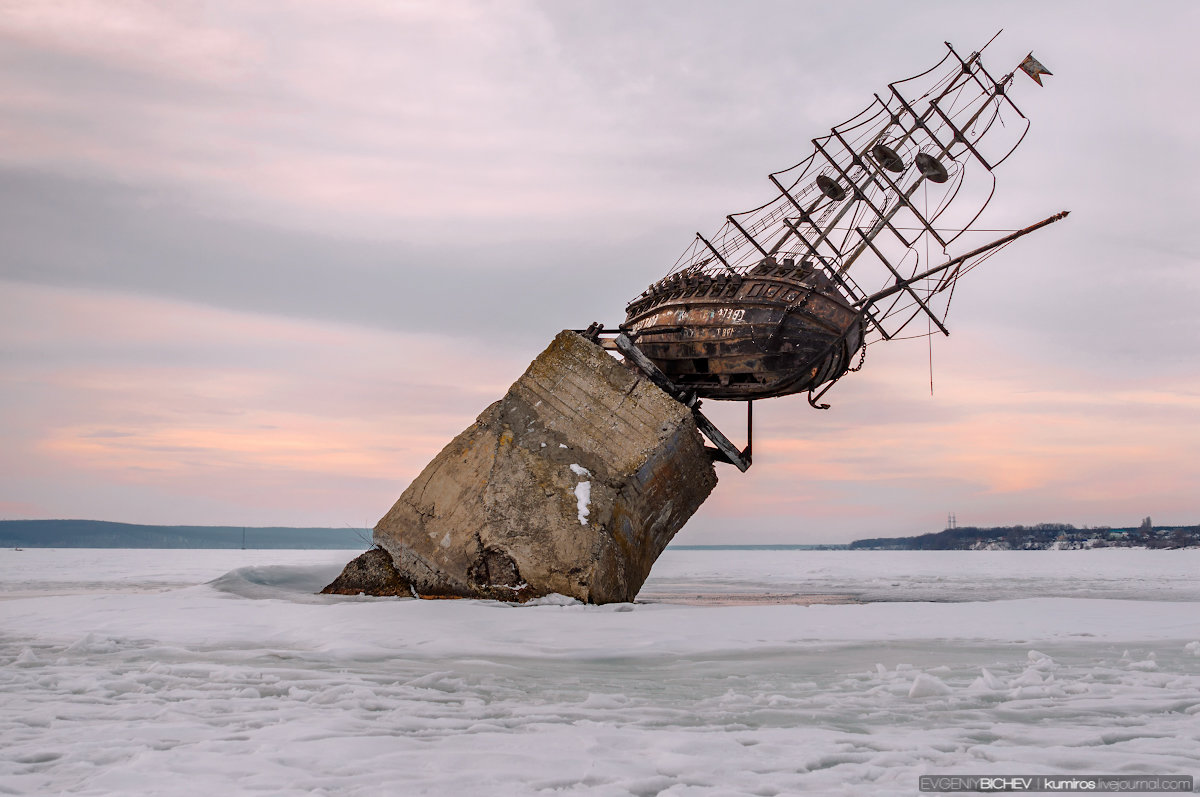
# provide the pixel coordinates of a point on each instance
(836, 205)
(835, 193)
(944, 149)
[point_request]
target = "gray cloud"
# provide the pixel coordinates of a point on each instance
(65, 231)
(617, 128)
(497, 171)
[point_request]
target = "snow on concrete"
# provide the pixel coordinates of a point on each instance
(199, 672)
(583, 493)
(583, 500)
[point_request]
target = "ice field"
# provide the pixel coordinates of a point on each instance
(194, 672)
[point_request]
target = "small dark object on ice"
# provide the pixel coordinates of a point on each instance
(372, 573)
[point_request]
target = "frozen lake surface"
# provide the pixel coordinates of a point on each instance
(219, 672)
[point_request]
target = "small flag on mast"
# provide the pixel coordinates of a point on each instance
(1033, 67)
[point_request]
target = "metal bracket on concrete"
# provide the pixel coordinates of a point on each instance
(725, 450)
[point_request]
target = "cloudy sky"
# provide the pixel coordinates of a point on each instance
(260, 261)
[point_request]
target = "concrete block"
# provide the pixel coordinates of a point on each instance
(573, 483)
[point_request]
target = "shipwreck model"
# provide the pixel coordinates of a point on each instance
(577, 479)
(863, 237)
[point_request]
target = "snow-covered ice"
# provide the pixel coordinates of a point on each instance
(205, 672)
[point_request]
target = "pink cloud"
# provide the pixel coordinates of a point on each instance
(182, 406)
(175, 399)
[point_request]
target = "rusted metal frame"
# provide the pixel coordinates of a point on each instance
(945, 280)
(822, 238)
(862, 162)
(805, 216)
(919, 119)
(1024, 133)
(945, 149)
(961, 137)
(835, 274)
(594, 333)
(739, 459)
(832, 225)
(1000, 90)
(997, 86)
(886, 292)
(811, 249)
(856, 160)
(901, 197)
(900, 278)
(837, 277)
(748, 451)
(933, 105)
(717, 254)
(598, 329)
(729, 452)
(825, 264)
(874, 172)
(970, 64)
(830, 271)
(824, 234)
(747, 235)
(653, 372)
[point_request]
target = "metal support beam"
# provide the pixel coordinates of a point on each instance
(653, 372)
(749, 450)
(713, 249)
(900, 279)
(725, 448)
(747, 235)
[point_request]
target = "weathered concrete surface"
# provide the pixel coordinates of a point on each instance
(372, 573)
(573, 483)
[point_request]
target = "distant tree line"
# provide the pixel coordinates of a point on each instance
(102, 534)
(1042, 536)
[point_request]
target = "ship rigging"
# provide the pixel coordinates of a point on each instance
(869, 233)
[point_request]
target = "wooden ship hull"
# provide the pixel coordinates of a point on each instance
(773, 331)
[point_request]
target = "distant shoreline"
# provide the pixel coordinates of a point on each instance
(1041, 537)
(105, 534)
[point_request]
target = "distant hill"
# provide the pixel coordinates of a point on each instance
(1039, 537)
(102, 534)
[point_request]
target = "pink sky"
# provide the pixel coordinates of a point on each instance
(263, 261)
